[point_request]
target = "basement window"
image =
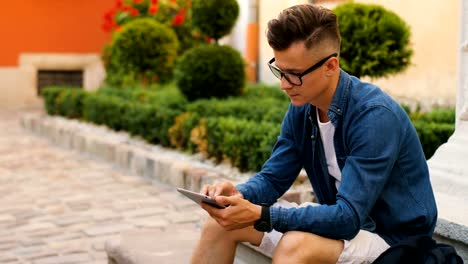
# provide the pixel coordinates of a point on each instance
(68, 78)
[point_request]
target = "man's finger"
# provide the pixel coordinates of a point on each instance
(204, 190)
(227, 200)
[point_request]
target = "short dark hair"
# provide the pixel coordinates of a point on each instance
(309, 23)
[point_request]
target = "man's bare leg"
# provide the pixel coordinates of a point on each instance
(217, 245)
(302, 247)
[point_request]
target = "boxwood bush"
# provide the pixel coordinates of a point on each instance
(144, 51)
(215, 18)
(210, 71)
(50, 94)
(432, 135)
(375, 40)
(170, 98)
(236, 130)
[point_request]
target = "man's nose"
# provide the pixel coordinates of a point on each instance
(285, 84)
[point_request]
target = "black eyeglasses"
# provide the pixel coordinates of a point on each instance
(296, 78)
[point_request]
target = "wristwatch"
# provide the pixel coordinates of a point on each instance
(264, 224)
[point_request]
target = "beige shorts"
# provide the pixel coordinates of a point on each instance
(365, 247)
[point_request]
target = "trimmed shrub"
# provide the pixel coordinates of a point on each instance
(436, 115)
(106, 110)
(432, 135)
(50, 94)
(144, 51)
(64, 101)
(165, 98)
(210, 71)
(175, 14)
(215, 18)
(267, 109)
(150, 122)
(69, 103)
(181, 131)
(265, 91)
(246, 144)
(375, 41)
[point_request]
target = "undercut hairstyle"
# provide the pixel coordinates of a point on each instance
(309, 23)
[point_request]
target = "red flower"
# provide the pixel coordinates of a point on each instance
(179, 18)
(127, 8)
(119, 28)
(119, 3)
(134, 12)
(108, 15)
(154, 2)
(153, 9)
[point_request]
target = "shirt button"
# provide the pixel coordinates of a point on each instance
(338, 110)
(312, 137)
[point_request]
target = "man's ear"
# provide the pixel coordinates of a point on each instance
(332, 66)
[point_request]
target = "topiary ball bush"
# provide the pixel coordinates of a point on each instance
(215, 18)
(143, 51)
(375, 41)
(210, 71)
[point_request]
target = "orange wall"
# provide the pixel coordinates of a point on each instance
(51, 26)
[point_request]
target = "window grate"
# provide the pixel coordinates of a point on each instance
(67, 78)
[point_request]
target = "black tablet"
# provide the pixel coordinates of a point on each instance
(200, 198)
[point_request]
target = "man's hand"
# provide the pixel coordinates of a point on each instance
(239, 214)
(225, 188)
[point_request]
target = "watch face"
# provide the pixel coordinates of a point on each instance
(262, 226)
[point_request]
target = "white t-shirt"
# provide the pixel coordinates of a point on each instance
(327, 131)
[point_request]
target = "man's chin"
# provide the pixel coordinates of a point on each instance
(297, 103)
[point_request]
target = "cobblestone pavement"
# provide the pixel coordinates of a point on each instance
(59, 206)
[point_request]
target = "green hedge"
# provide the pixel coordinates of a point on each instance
(68, 104)
(239, 130)
(432, 135)
(246, 144)
(168, 98)
(258, 110)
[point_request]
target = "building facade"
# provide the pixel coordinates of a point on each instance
(49, 40)
(432, 77)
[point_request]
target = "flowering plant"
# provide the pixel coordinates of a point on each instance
(176, 14)
(170, 12)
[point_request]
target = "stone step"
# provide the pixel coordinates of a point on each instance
(448, 172)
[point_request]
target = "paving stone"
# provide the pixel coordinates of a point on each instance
(7, 246)
(8, 259)
(71, 220)
(103, 215)
(36, 226)
(27, 251)
(145, 212)
(40, 255)
(101, 230)
(152, 222)
(61, 206)
(63, 237)
(182, 217)
(29, 242)
(67, 259)
(7, 218)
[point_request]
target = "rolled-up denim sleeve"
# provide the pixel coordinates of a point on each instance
(374, 142)
(279, 171)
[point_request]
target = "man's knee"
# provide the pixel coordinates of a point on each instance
(303, 247)
(212, 230)
(211, 227)
(290, 244)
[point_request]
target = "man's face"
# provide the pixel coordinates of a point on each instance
(303, 73)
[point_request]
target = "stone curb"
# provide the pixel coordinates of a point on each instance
(168, 166)
(151, 162)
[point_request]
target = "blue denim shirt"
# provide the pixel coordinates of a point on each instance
(385, 186)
